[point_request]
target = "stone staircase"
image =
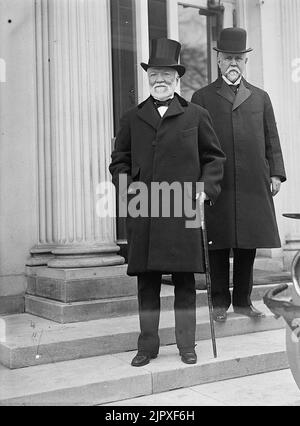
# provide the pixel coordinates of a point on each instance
(109, 378)
(85, 359)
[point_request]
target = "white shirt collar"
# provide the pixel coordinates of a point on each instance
(163, 109)
(230, 83)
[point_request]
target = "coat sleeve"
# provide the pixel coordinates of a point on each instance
(121, 155)
(273, 148)
(212, 158)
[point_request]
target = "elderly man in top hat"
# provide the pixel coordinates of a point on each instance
(243, 218)
(166, 139)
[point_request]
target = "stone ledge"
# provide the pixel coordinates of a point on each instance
(10, 305)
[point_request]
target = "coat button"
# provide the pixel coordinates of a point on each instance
(154, 143)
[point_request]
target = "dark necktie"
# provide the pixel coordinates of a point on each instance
(234, 88)
(158, 103)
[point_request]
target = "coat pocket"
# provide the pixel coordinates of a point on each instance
(189, 133)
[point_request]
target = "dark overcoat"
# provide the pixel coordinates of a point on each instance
(244, 216)
(180, 147)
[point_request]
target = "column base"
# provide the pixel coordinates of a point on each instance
(85, 256)
(85, 262)
(73, 295)
(40, 255)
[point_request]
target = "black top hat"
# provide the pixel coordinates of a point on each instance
(233, 40)
(165, 53)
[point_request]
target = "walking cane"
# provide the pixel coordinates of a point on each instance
(207, 275)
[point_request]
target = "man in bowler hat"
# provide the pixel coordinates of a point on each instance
(166, 139)
(243, 218)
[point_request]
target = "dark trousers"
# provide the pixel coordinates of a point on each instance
(149, 286)
(243, 261)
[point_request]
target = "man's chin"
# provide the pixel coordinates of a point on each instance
(233, 77)
(161, 91)
(161, 95)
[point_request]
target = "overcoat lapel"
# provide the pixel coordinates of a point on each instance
(242, 95)
(148, 113)
(225, 91)
(175, 108)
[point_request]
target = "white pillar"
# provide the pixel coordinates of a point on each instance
(249, 18)
(75, 129)
(290, 102)
(281, 47)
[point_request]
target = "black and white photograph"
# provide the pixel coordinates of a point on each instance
(149, 206)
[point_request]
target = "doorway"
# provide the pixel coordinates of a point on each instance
(194, 23)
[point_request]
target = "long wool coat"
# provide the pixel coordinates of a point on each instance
(244, 216)
(180, 147)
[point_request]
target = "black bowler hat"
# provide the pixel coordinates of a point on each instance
(233, 40)
(164, 53)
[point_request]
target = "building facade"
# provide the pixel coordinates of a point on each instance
(68, 70)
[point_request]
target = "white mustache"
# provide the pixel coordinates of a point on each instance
(233, 69)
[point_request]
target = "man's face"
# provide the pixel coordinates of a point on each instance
(162, 82)
(232, 66)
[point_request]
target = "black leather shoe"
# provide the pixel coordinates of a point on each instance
(142, 359)
(220, 315)
(189, 357)
(248, 311)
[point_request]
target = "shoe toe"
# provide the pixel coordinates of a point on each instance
(142, 359)
(189, 357)
(220, 316)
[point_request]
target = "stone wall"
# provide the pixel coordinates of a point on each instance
(18, 202)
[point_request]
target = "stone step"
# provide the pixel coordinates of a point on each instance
(264, 263)
(64, 313)
(27, 340)
(110, 378)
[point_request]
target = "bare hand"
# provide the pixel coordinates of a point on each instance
(133, 187)
(275, 185)
(202, 196)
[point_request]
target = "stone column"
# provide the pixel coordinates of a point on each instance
(290, 94)
(273, 33)
(81, 276)
(75, 129)
(281, 48)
